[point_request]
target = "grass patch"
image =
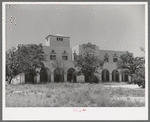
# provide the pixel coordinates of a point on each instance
(71, 95)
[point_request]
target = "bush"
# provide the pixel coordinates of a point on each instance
(140, 82)
(95, 79)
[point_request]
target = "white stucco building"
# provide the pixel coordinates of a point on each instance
(58, 47)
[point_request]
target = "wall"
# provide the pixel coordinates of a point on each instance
(67, 65)
(18, 79)
(110, 66)
(54, 42)
(76, 50)
(58, 50)
(110, 53)
(95, 51)
(47, 42)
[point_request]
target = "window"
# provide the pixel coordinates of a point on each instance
(64, 51)
(53, 51)
(52, 57)
(59, 39)
(115, 59)
(106, 58)
(64, 57)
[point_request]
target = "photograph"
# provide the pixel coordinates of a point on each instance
(75, 56)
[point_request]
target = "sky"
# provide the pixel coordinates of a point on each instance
(111, 27)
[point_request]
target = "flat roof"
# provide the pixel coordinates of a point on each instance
(58, 35)
(113, 50)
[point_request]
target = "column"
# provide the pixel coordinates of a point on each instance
(48, 78)
(129, 78)
(52, 78)
(37, 78)
(22, 78)
(123, 77)
(110, 77)
(65, 77)
(100, 78)
(120, 78)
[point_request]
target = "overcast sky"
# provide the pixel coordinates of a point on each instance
(111, 27)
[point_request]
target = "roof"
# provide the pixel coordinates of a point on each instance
(58, 35)
(113, 50)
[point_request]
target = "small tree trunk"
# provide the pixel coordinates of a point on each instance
(10, 80)
(131, 78)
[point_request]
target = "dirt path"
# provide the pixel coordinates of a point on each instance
(132, 86)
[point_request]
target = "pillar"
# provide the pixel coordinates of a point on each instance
(37, 78)
(120, 78)
(22, 78)
(123, 77)
(52, 77)
(48, 78)
(100, 77)
(110, 77)
(65, 77)
(129, 78)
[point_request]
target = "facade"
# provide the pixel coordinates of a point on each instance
(58, 52)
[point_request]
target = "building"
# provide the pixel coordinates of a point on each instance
(57, 47)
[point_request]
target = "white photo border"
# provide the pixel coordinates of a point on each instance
(67, 113)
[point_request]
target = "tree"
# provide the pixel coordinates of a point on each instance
(139, 76)
(60, 66)
(88, 64)
(131, 63)
(24, 59)
(11, 69)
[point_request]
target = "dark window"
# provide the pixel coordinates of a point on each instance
(61, 39)
(53, 51)
(115, 59)
(57, 38)
(52, 57)
(106, 58)
(65, 57)
(64, 51)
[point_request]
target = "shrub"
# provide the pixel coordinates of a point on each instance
(140, 81)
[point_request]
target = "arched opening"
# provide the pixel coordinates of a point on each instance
(125, 75)
(29, 78)
(105, 75)
(115, 75)
(43, 76)
(71, 75)
(87, 76)
(58, 77)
